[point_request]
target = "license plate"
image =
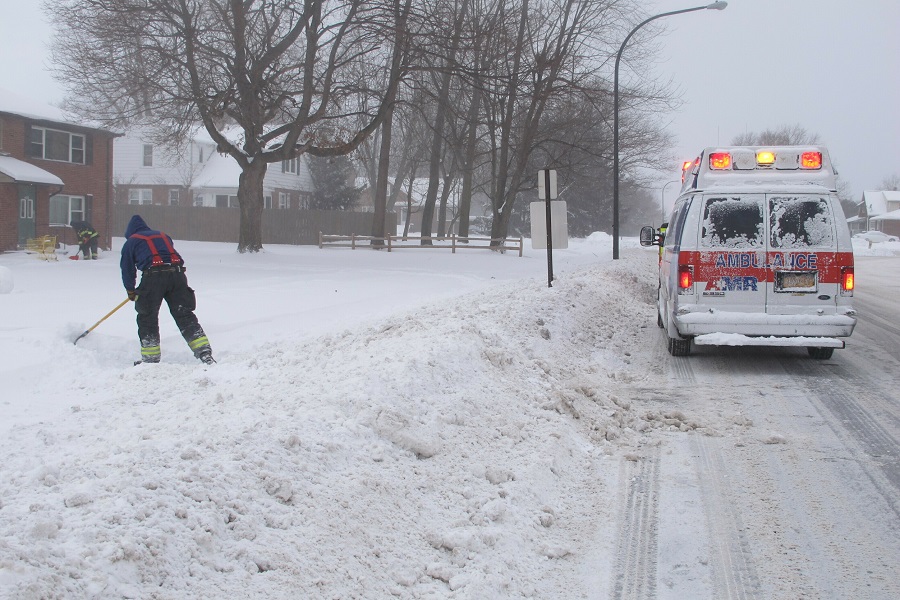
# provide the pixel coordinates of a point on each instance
(796, 281)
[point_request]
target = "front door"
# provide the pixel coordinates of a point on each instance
(26, 213)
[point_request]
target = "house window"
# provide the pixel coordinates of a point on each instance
(174, 197)
(289, 166)
(53, 144)
(284, 200)
(140, 196)
(305, 200)
(198, 200)
(226, 201)
(267, 201)
(148, 155)
(64, 209)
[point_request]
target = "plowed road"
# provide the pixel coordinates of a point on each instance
(796, 493)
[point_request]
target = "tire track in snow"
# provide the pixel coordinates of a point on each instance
(734, 573)
(636, 553)
(849, 418)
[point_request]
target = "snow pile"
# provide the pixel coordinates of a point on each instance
(463, 449)
(863, 248)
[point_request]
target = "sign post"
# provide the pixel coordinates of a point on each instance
(547, 191)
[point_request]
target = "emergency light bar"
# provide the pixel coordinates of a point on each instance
(764, 159)
(753, 165)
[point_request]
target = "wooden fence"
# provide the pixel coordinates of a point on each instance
(392, 242)
(207, 224)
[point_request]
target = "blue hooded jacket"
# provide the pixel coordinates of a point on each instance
(138, 254)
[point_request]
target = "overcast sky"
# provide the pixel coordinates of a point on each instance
(831, 66)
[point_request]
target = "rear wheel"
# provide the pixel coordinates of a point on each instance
(679, 347)
(820, 353)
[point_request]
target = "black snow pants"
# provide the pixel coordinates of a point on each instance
(170, 284)
(88, 248)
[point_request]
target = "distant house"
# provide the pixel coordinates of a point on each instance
(197, 175)
(53, 170)
(410, 206)
(881, 210)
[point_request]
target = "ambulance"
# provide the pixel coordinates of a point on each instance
(757, 253)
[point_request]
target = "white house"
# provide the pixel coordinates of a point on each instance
(197, 175)
(881, 210)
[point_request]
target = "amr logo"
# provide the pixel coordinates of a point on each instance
(726, 283)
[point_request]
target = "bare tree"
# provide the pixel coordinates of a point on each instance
(783, 135)
(268, 79)
(891, 184)
(553, 46)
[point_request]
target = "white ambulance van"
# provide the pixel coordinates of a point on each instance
(757, 252)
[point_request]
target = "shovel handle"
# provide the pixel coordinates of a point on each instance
(124, 302)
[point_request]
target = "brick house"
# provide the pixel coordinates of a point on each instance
(52, 170)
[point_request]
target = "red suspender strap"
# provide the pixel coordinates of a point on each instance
(157, 260)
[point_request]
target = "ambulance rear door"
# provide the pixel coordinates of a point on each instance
(803, 257)
(730, 265)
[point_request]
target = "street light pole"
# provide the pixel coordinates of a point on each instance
(662, 199)
(713, 6)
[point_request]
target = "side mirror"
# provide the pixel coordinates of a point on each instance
(648, 236)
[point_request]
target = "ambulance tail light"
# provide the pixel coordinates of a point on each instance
(848, 281)
(811, 160)
(685, 279)
(719, 161)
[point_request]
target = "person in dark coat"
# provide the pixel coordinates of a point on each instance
(162, 278)
(87, 239)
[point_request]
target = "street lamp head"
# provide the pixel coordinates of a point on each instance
(717, 6)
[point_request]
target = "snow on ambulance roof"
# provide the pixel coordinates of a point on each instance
(759, 166)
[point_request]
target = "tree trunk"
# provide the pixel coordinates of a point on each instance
(442, 207)
(500, 224)
(380, 196)
(437, 140)
(409, 194)
(501, 199)
(468, 166)
(250, 197)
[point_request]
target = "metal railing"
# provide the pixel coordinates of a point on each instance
(392, 242)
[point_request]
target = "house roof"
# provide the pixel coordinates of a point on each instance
(30, 108)
(19, 171)
(220, 171)
(876, 201)
(894, 215)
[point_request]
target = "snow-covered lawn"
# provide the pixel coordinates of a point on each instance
(414, 424)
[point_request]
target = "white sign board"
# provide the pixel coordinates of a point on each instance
(558, 221)
(542, 180)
